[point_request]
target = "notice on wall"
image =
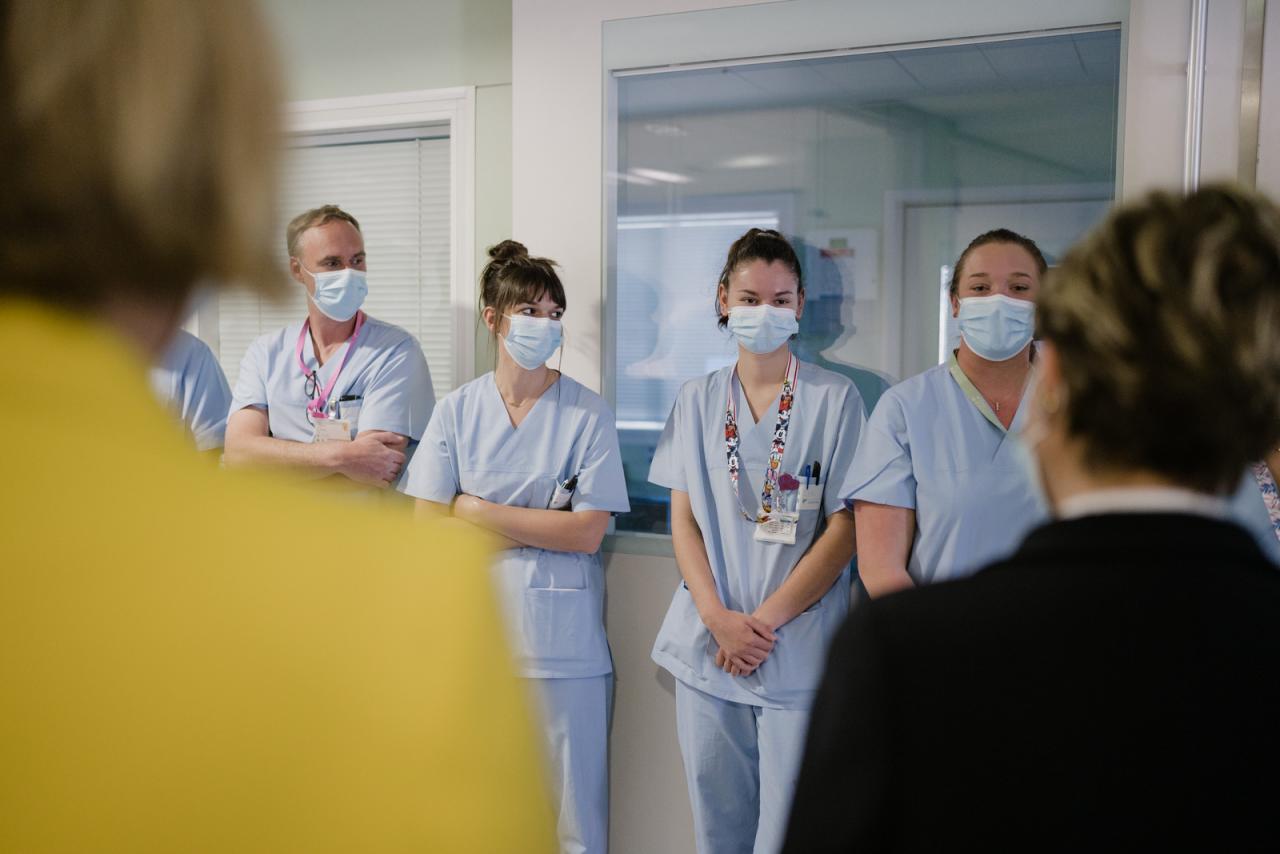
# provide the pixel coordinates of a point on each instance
(843, 261)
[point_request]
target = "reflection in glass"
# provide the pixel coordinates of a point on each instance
(879, 166)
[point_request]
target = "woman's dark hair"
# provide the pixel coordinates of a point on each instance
(998, 235)
(1165, 321)
(513, 277)
(758, 244)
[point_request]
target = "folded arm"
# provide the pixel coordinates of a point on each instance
(374, 457)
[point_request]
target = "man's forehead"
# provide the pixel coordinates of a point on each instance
(335, 237)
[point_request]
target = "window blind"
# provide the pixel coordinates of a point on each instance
(399, 191)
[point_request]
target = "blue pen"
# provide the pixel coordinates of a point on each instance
(806, 472)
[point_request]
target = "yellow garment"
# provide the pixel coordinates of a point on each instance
(197, 660)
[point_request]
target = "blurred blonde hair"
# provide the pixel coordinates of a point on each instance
(140, 141)
(1167, 324)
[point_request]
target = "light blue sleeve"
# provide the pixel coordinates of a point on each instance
(669, 458)
(882, 472)
(1247, 508)
(400, 398)
(206, 400)
(432, 473)
(601, 482)
(853, 426)
(251, 385)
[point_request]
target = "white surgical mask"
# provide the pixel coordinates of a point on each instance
(530, 341)
(762, 328)
(339, 293)
(997, 327)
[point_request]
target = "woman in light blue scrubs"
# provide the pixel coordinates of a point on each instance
(533, 457)
(939, 484)
(756, 457)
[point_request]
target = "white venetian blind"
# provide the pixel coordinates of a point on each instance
(399, 191)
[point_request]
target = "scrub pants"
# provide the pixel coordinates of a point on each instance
(575, 719)
(741, 763)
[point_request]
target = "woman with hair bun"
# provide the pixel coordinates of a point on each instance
(755, 457)
(939, 486)
(532, 456)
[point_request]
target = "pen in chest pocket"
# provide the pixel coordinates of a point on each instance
(563, 494)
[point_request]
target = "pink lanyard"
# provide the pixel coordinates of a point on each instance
(316, 405)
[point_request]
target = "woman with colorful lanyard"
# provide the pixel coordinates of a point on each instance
(763, 544)
(940, 485)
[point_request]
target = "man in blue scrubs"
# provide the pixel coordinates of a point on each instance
(338, 392)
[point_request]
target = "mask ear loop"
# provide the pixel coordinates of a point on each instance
(559, 362)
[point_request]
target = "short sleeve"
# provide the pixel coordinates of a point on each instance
(852, 427)
(400, 398)
(669, 458)
(207, 401)
(251, 385)
(882, 472)
(602, 485)
(432, 473)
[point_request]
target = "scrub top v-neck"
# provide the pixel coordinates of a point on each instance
(554, 600)
(934, 446)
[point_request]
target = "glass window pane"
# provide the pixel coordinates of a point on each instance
(880, 166)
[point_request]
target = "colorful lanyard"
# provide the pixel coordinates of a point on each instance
(1267, 486)
(316, 406)
(732, 440)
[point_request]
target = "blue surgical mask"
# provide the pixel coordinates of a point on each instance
(997, 327)
(530, 341)
(762, 328)
(339, 293)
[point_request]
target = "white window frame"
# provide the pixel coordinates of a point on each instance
(453, 107)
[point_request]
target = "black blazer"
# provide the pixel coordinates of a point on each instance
(1114, 683)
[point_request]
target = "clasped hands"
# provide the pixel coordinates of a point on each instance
(744, 641)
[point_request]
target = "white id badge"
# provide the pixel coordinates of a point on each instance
(810, 497)
(776, 531)
(332, 430)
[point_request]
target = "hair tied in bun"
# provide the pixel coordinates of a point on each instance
(508, 250)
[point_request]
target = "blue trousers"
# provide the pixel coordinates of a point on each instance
(575, 722)
(741, 764)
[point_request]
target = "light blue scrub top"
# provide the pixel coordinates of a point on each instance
(1248, 510)
(827, 419)
(554, 600)
(190, 382)
(930, 449)
(387, 371)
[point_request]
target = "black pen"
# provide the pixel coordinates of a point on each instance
(817, 467)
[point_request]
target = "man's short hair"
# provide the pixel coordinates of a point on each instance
(311, 219)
